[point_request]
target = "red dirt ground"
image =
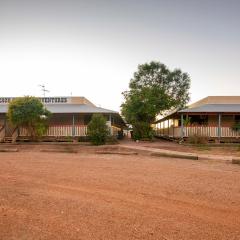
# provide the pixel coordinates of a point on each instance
(89, 196)
(214, 149)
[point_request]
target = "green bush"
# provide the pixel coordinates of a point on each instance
(236, 127)
(238, 148)
(69, 138)
(98, 130)
(41, 128)
(142, 130)
(83, 139)
(111, 140)
(197, 139)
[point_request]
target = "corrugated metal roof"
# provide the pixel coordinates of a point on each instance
(75, 108)
(68, 108)
(214, 108)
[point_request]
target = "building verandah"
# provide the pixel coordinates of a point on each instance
(69, 118)
(212, 117)
(75, 125)
(212, 125)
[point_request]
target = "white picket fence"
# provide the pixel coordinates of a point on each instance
(60, 131)
(65, 130)
(2, 133)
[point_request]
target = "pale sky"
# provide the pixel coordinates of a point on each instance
(92, 48)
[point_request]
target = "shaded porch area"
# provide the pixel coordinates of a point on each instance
(211, 125)
(75, 125)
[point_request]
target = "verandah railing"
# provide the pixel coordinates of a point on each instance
(65, 130)
(208, 131)
(2, 133)
(59, 131)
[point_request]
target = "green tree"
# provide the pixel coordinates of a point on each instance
(30, 113)
(153, 90)
(98, 130)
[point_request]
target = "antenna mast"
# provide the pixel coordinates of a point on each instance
(44, 90)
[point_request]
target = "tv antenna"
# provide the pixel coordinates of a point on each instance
(44, 90)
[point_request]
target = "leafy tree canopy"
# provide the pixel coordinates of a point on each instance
(153, 90)
(28, 112)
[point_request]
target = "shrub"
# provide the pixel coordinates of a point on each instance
(41, 128)
(142, 130)
(111, 140)
(197, 139)
(83, 139)
(238, 147)
(236, 127)
(69, 138)
(98, 130)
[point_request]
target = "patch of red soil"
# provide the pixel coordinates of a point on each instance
(88, 196)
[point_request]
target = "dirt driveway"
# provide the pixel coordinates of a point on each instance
(90, 196)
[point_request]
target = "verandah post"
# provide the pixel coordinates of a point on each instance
(182, 130)
(168, 129)
(73, 126)
(110, 124)
(173, 126)
(164, 128)
(219, 126)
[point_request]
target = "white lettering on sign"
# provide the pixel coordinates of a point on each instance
(46, 100)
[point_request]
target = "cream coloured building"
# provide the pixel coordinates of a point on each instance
(213, 117)
(70, 117)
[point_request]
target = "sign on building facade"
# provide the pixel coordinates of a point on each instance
(6, 100)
